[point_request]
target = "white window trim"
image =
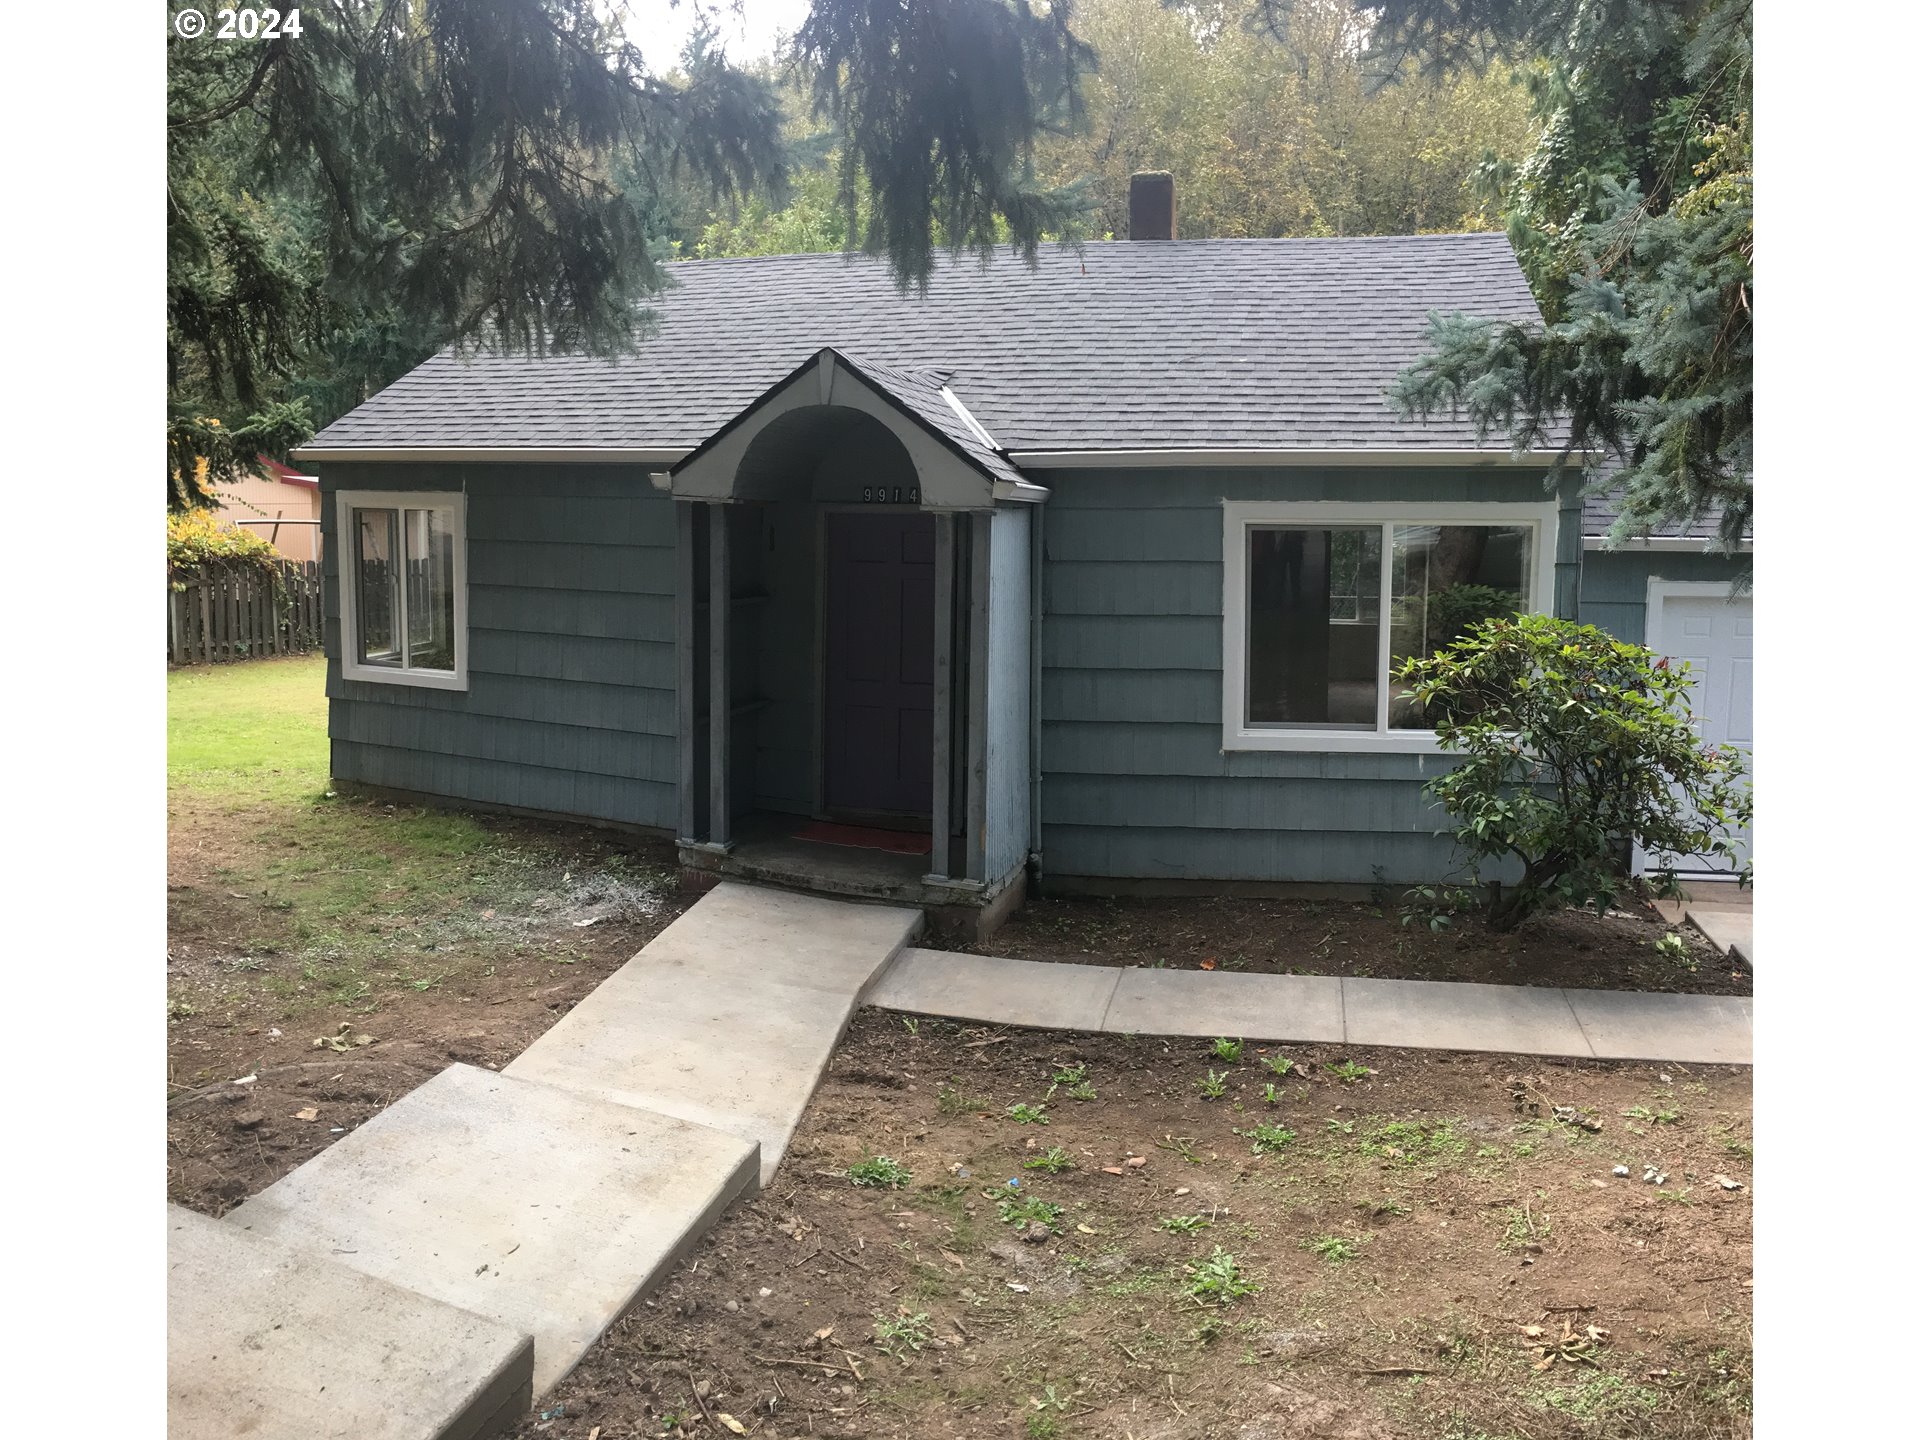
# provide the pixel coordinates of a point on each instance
(1236, 734)
(347, 501)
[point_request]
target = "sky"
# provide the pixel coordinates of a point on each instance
(749, 28)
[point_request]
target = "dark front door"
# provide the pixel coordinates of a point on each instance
(879, 720)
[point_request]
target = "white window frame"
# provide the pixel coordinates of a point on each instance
(1240, 515)
(351, 668)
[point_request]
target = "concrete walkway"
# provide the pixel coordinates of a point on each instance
(1420, 1014)
(451, 1259)
(1721, 910)
(483, 1210)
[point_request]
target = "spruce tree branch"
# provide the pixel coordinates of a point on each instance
(269, 57)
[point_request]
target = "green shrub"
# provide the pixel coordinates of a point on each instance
(1574, 747)
(200, 543)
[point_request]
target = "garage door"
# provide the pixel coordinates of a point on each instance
(1713, 633)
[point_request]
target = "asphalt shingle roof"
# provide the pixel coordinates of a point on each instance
(1599, 509)
(1127, 344)
(921, 392)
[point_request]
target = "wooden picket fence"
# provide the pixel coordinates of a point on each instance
(224, 617)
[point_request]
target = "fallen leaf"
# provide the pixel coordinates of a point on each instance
(953, 1260)
(823, 1334)
(307, 1114)
(1209, 963)
(1086, 1230)
(1111, 1170)
(1726, 1182)
(1532, 1332)
(1019, 1289)
(581, 925)
(732, 1424)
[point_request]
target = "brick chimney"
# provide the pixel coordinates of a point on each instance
(1150, 206)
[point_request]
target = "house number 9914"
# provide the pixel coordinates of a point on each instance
(890, 494)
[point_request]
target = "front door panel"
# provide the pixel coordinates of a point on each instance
(879, 710)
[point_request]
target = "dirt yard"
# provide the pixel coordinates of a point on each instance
(1425, 1251)
(1297, 937)
(1091, 1236)
(325, 955)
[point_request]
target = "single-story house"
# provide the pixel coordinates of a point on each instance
(1088, 572)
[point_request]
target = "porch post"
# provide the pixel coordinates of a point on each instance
(719, 678)
(685, 708)
(941, 859)
(980, 551)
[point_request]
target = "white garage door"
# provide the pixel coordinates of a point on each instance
(1713, 633)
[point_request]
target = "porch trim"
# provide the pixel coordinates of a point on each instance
(940, 858)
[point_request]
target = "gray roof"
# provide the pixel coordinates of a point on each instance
(1123, 345)
(1600, 508)
(925, 393)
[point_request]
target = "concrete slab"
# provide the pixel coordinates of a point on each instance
(736, 1055)
(1718, 894)
(1728, 931)
(1251, 1007)
(1001, 992)
(546, 1210)
(1438, 1015)
(728, 1018)
(751, 933)
(270, 1341)
(1687, 1029)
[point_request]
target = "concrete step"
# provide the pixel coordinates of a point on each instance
(728, 1018)
(547, 1210)
(283, 1344)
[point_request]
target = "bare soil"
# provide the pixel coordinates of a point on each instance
(1570, 948)
(1433, 1256)
(319, 970)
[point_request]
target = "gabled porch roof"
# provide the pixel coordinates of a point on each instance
(958, 464)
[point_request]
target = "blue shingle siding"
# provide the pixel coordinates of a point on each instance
(1613, 583)
(1136, 783)
(569, 706)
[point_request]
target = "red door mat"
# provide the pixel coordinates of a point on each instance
(862, 837)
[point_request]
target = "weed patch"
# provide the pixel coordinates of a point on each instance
(1334, 1249)
(1411, 1142)
(1218, 1279)
(880, 1171)
(1267, 1139)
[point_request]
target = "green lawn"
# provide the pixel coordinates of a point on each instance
(248, 732)
(328, 898)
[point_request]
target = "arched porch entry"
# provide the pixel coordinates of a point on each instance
(855, 616)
